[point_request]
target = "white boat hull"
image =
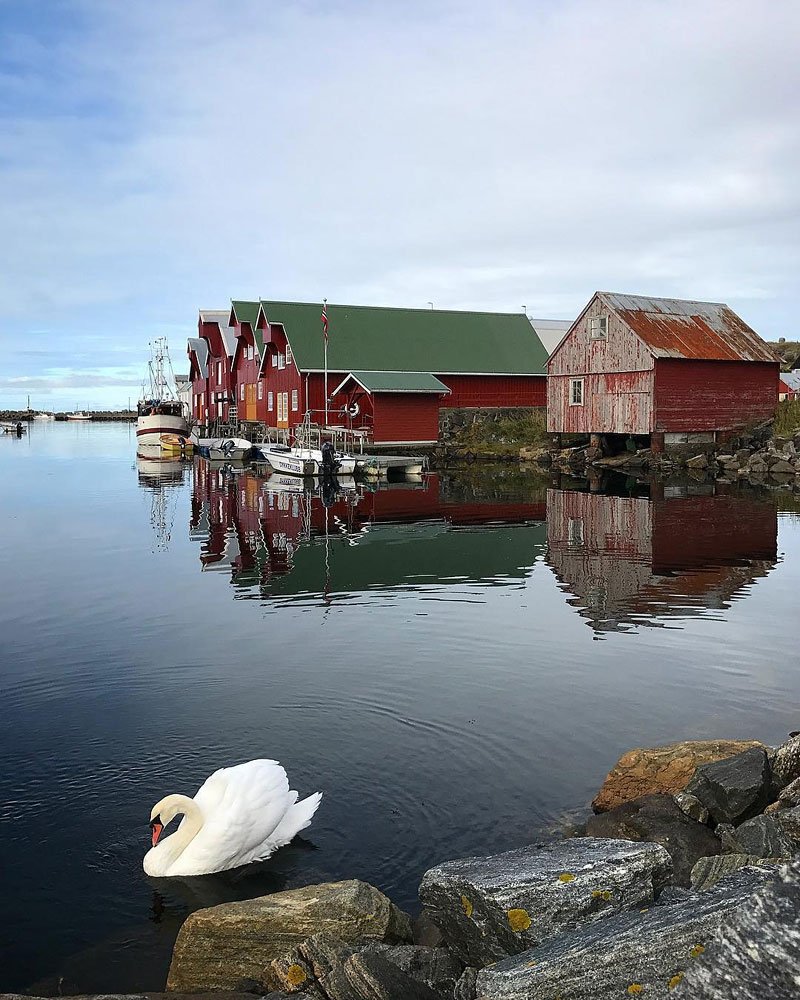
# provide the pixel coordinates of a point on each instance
(149, 429)
(229, 449)
(287, 462)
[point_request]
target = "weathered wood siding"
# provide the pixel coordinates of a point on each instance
(617, 373)
(613, 403)
(713, 395)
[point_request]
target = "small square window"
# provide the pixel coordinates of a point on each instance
(576, 392)
(598, 328)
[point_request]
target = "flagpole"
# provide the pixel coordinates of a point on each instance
(325, 303)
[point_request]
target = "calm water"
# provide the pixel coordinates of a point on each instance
(456, 663)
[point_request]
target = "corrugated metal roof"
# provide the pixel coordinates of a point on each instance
(551, 331)
(397, 382)
(200, 349)
(792, 379)
(678, 328)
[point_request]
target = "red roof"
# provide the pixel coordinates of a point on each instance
(676, 328)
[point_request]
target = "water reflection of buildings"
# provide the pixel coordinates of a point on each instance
(628, 560)
(278, 534)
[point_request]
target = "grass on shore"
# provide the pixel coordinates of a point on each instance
(503, 438)
(787, 418)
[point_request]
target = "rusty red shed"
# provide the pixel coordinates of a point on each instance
(672, 369)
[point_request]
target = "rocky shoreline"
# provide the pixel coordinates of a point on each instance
(759, 458)
(684, 882)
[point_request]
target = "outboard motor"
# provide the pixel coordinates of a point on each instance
(329, 464)
(19, 428)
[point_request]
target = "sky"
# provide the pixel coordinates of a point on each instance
(161, 157)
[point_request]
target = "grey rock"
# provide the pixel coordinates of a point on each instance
(790, 795)
(785, 762)
(426, 933)
(370, 975)
(734, 789)
(489, 907)
(781, 468)
(698, 462)
(709, 871)
(465, 987)
(789, 821)
(435, 967)
(229, 947)
(765, 837)
(692, 806)
(726, 832)
(658, 819)
(755, 953)
(645, 952)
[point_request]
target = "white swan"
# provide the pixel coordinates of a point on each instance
(240, 814)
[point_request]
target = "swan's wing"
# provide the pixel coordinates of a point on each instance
(241, 807)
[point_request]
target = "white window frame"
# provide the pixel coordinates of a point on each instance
(288, 353)
(260, 389)
(598, 328)
(270, 401)
(219, 372)
(281, 360)
(295, 400)
(241, 392)
(573, 384)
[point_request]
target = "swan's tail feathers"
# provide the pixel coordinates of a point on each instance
(297, 818)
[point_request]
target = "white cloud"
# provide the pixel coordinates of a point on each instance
(469, 154)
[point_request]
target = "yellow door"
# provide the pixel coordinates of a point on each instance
(283, 409)
(250, 402)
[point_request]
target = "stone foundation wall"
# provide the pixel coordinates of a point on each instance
(453, 420)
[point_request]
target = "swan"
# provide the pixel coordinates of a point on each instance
(239, 814)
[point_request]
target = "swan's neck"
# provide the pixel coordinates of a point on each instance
(167, 852)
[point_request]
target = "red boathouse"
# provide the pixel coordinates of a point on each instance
(390, 371)
(674, 371)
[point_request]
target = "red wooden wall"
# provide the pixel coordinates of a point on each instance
(494, 390)
(713, 395)
(411, 418)
(216, 386)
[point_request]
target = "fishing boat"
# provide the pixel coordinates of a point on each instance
(79, 416)
(160, 411)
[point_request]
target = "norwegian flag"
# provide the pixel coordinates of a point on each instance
(324, 318)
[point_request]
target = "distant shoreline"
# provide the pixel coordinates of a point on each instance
(105, 416)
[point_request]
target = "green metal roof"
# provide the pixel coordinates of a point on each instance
(245, 312)
(398, 382)
(381, 339)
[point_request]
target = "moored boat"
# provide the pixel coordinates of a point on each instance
(283, 459)
(230, 449)
(79, 415)
(160, 411)
(176, 444)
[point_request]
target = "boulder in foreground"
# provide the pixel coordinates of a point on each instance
(755, 953)
(645, 953)
(733, 789)
(490, 907)
(659, 820)
(229, 947)
(648, 770)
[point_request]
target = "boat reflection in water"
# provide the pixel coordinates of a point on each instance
(159, 476)
(278, 535)
(681, 551)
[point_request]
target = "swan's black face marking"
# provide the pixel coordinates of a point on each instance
(156, 826)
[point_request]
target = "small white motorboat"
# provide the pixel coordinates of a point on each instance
(230, 449)
(284, 459)
(12, 428)
(79, 416)
(44, 416)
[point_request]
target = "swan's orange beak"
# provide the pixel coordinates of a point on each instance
(156, 828)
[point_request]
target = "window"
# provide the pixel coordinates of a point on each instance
(270, 401)
(576, 392)
(281, 360)
(251, 352)
(241, 392)
(219, 372)
(598, 328)
(260, 390)
(575, 531)
(295, 403)
(288, 353)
